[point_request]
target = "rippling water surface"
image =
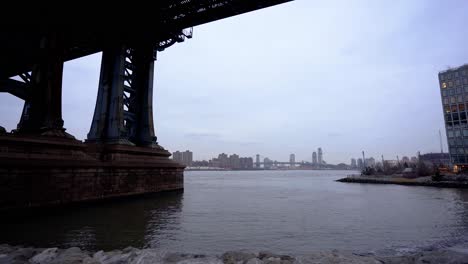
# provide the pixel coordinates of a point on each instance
(284, 211)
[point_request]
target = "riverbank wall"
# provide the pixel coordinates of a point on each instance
(426, 181)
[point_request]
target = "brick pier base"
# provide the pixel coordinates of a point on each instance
(42, 171)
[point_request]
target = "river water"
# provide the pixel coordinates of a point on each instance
(292, 212)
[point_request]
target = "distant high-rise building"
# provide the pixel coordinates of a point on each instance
(234, 161)
(360, 164)
(314, 158)
(246, 163)
(187, 158)
(320, 156)
(454, 92)
(370, 162)
(257, 161)
(223, 160)
(353, 163)
(292, 160)
(177, 156)
(267, 163)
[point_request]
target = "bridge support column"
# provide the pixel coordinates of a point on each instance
(124, 111)
(42, 113)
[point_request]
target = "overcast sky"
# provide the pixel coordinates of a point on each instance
(343, 75)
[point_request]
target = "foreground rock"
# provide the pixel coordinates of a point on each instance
(19, 255)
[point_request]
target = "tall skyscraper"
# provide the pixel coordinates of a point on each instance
(292, 160)
(257, 161)
(454, 93)
(320, 156)
(177, 156)
(314, 158)
(224, 160)
(353, 163)
(187, 158)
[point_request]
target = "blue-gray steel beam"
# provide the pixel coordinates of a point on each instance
(108, 120)
(124, 113)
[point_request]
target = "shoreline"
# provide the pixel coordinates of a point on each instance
(422, 181)
(15, 254)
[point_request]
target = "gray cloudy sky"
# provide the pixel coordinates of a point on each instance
(343, 75)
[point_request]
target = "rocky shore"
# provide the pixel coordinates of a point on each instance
(20, 255)
(422, 181)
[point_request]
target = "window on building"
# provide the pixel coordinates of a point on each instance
(446, 101)
(465, 133)
(461, 107)
(449, 124)
(456, 74)
(454, 108)
(444, 85)
(460, 151)
(459, 141)
(448, 117)
(462, 159)
(460, 98)
(449, 76)
(466, 89)
(457, 133)
(447, 109)
(451, 142)
(457, 82)
(465, 81)
(464, 73)
(450, 84)
(450, 133)
(464, 141)
(444, 93)
(458, 90)
(463, 116)
(452, 99)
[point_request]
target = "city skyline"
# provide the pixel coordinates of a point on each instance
(326, 88)
(370, 160)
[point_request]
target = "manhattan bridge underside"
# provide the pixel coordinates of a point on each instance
(41, 164)
(161, 21)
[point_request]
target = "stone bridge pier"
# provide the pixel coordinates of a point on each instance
(41, 164)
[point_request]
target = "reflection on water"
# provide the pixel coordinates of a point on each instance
(107, 225)
(284, 211)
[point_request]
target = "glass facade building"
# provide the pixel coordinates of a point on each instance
(453, 85)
